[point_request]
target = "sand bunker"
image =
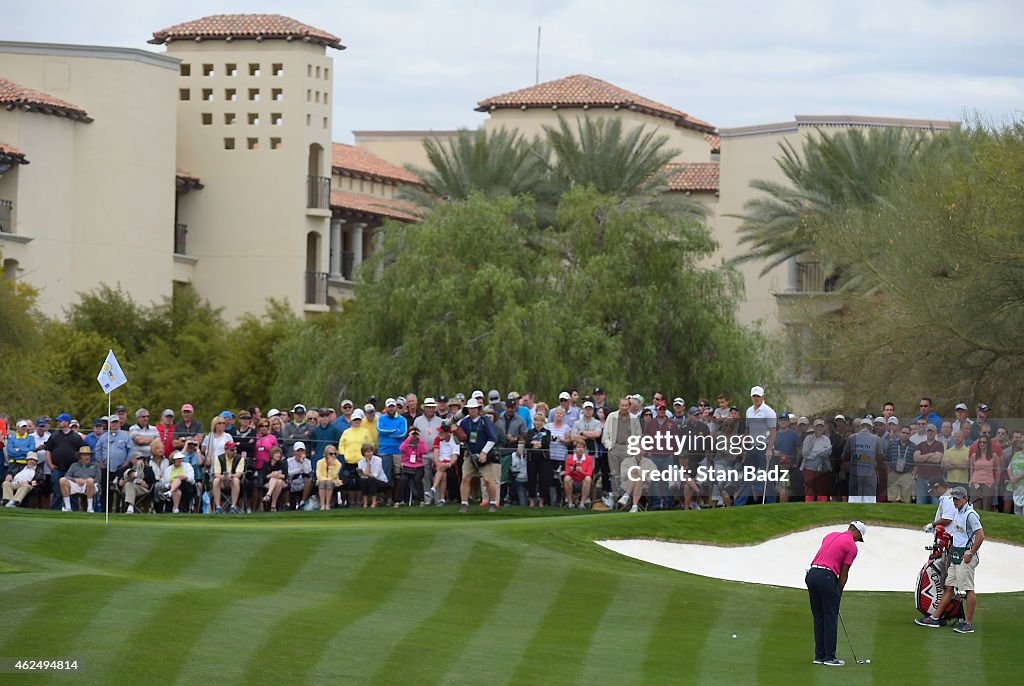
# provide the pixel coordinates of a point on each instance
(889, 560)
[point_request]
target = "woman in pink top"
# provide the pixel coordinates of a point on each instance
(410, 483)
(984, 467)
(264, 442)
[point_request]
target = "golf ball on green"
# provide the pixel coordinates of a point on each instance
(868, 661)
(734, 635)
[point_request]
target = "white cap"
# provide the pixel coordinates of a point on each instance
(23, 424)
(429, 402)
(839, 416)
(757, 390)
(679, 401)
(894, 420)
(177, 455)
(879, 420)
(588, 404)
(368, 407)
(478, 394)
(389, 402)
(473, 402)
(274, 412)
(802, 420)
(859, 526)
(564, 396)
(357, 414)
(866, 422)
(960, 406)
(299, 445)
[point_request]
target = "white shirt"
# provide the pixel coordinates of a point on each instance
(965, 523)
(946, 508)
(376, 468)
(447, 450)
(25, 475)
(190, 474)
(761, 421)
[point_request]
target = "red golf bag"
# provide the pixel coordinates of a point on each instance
(932, 578)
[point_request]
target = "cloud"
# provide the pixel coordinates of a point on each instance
(418, 64)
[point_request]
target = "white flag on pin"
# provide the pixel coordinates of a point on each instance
(111, 376)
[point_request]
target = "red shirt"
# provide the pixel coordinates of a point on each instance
(166, 433)
(837, 549)
(585, 464)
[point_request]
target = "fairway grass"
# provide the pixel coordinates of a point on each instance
(428, 596)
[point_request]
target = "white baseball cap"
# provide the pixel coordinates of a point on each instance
(859, 526)
(894, 420)
(679, 401)
(389, 402)
(757, 390)
(299, 445)
(564, 396)
(274, 412)
(357, 414)
(588, 404)
(368, 407)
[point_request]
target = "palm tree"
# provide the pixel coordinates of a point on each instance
(851, 169)
(499, 163)
(628, 164)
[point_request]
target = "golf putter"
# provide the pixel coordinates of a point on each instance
(848, 641)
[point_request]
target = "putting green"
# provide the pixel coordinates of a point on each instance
(429, 597)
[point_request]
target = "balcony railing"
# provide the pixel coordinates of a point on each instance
(6, 216)
(318, 194)
(316, 288)
(180, 238)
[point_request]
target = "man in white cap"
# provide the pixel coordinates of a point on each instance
(761, 424)
(480, 441)
(17, 485)
(428, 425)
(825, 582)
(967, 538)
(863, 454)
(391, 431)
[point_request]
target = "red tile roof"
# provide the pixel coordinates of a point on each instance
(358, 162)
(693, 176)
(714, 141)
(186, 180)
(586, 91)
(11, 152)
(368, 204)
(258, 26)
(13, 96)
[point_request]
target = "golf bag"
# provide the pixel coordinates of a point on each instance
(932, 578)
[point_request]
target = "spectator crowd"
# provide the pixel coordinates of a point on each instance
(499, 450)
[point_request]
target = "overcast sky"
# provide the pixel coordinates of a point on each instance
(424, 64)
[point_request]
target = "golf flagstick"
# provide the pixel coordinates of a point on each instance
(109, 378)
(106, 486)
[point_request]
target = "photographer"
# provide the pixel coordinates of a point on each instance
(480, 440)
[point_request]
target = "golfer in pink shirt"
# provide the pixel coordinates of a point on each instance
(825, 582)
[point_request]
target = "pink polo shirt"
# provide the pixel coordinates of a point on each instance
(837, 549)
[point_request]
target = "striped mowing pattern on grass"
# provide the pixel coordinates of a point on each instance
(435, 598)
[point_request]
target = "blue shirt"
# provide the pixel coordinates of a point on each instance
(787, 442)
(120, 448)
(319, 437)
(527, 416)
(341, 424)
(932, 419)
(390, 433)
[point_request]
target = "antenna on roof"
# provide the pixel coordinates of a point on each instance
(539, 19)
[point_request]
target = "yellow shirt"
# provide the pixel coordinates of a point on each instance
(959, 457)
(327, 472)
(351, 443)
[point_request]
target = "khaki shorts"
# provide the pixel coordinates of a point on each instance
(961, 576)
(490, 470)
